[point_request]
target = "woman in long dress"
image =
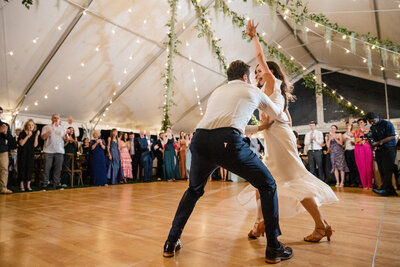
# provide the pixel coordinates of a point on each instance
(126, 161)
(363, 155)
(182, 145)
(114, 167)
(298, 190)
(171, 164)
(334, 141)
(97, 160)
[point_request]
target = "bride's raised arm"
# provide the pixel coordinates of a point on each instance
(259, 54)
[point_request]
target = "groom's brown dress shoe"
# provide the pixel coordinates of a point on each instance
(275, 255)
(171, 247)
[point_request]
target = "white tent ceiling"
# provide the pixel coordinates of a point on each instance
(130, 36)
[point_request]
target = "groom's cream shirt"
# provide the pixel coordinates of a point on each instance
(232, 104)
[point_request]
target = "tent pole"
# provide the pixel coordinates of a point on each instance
(378, 30)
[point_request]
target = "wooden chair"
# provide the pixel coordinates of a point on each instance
(69, 167)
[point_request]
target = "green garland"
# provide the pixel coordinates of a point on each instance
(26, 3)
(169, 75)
(204, 29)
(298, 11)
(272, 52)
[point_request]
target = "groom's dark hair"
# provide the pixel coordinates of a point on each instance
(237, 69)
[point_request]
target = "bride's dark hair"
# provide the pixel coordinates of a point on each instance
(286, 86)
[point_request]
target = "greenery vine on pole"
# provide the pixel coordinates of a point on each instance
(169, 71)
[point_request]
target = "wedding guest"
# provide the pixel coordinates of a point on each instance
(14, 152)
(70, 147)
(189, 154)
(7, 142)
(363, 154)
(182, 147)
(54, 136)
(133, 151)
(27, 140)
(114, 167)
(97, 160)
(348, 136)
(297, 140)
(141, 167)
(334, 141)
(146, 155)
(384, 140)
(70, 124)
(223, 173)
(171, 165)
(158, 150)
(85, 152)
(313, 142)
(126, 161)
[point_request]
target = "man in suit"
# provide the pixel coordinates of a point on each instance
(219, 142)
(157, 149)
(135, 154)
(7, 142)
(146, 158)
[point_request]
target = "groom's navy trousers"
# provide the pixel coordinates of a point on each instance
(225, 147)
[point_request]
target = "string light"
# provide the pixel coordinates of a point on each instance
(36, 103)
(291, 58)
(84, 12)
(349, 103)
(307, 29)
(130, 10)
(279, 46)
(11, 53)
(144, 21)
(97, 49)
(341, 97)
(110, 101)
(130, 57)
(285, 17)
(183, 25)
(114, 93)
(263, 34)
(82, 64)
(398, 75)
(119, 83)
(286, 11)
(138, 41)
(69, 77)
(347, 51)
(187, 43)
(26, 108)
(373, 47)
(107, 109)
(35, 40)
(344, 37)
(125, 71)
(104, 114)
(382, 68)
(365, 60)
(60, 27)
(46, 96)
(316, 25)
(113, 31)
(56, 87)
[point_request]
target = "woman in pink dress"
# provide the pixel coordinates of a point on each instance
(126, 161)
(363, 154)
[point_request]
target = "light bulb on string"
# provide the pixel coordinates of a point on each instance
(107, 109)
(263, 34)
(35, 40)
(36, 103)
(373, 47)
(119, 83)
(304, 68)
(82, 64)
(56, 87)
(104, 114)
(347, 51)
(26, 108)
(341, 97)
(307, 29)
(382, 68)
(279, 46)
(125, 71)
(113, 31)
(114, 93)
(286, 11)
(46, 96)
(316, 25)
(365, 60)
(11, 53)
(110, 101)
(130, 57)
(285, 17)
(97, 49)
(130, 10)
(84, 12)
(349, 103)
(344, 37)
(398, 75)
(69, 77)
(291, 58)
(59, 27)
(144, 21)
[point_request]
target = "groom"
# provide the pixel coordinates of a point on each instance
(218, 141)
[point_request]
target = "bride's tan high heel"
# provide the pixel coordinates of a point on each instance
(260, 230)
(320, 233)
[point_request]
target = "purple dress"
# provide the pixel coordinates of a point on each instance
(337, 157)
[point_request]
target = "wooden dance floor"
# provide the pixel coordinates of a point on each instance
(126, 225)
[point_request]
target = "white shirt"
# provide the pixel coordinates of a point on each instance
(349, 139)
(316, 143)
(55, 142)
(232, 105)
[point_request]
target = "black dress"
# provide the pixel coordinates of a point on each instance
(25, 158)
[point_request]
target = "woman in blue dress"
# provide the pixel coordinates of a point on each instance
(97, 160)
(171, 164)
(114, 166)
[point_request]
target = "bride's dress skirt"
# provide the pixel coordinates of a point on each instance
(294, 181)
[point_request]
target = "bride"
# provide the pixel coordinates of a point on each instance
(298, 189)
